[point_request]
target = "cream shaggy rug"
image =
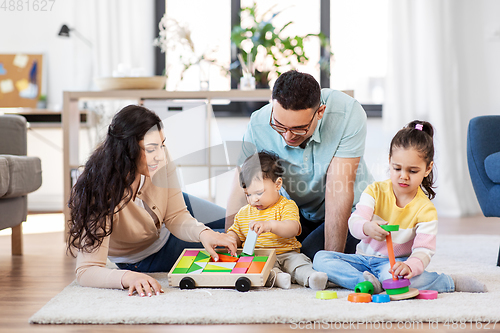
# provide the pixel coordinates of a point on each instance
(474, 255)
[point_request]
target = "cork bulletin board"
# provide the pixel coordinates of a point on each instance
(20, 79)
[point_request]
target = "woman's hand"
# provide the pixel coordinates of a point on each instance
(141, 283)
(402, 269)
(372, 229)
(211, 239)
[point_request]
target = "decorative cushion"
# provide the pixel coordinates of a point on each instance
(4, 176)
(24, 175)
(492, 167)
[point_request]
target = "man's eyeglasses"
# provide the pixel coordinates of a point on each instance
(295, 131)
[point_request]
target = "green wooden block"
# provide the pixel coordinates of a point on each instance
(180, 270)
(202, 257)
(194, 267)
(245, 255)
(260, 258)
(391, 227)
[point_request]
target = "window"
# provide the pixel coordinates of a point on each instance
(359, 36)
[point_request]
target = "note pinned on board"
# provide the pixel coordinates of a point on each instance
(6, 86)
(20, 60)
(2, 69)
(22, 84)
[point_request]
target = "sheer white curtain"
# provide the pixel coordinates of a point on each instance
(427, 80)
(121, 31)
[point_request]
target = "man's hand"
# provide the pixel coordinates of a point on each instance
(339, 197)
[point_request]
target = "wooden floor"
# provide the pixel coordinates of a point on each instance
(28, 282)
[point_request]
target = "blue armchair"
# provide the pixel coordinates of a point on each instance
(483, 158)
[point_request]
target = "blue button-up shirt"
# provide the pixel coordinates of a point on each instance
(340, 133)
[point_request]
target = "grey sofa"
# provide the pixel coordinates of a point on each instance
(19, 175)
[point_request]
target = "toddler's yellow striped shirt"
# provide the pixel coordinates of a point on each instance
(282, 210)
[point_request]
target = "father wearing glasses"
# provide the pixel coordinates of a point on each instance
(319, 135)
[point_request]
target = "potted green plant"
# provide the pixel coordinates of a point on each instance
(176, 36)
(42, 102)
(266, 47)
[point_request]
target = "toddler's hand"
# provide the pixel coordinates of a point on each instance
(260, 227)
(373, 230)
(402, 269)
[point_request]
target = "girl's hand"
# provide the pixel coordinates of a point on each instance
(372, 229)
(402, 269)
(142, 283)
(261, 227)
(211, 239)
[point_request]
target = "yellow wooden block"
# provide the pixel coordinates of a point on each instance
(185, 262)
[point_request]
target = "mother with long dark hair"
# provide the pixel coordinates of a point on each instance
(127, 207)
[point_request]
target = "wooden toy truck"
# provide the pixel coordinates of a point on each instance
(195, 268)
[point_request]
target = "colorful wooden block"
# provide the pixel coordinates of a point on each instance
(227, 258)
(219, 267)
(243, 264)
(216, 270)
(249, 245)
(196, 268)
(185, 262)
(191, 253)
(256, 267)
(180, 270)
(245, 259)
(202, 257)
(239, 270)
(260, 258)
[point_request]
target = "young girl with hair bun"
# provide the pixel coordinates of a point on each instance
(404, 200)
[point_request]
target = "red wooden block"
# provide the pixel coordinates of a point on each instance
(227, 258)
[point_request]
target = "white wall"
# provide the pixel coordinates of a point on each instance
(479, 55)
(68, 61)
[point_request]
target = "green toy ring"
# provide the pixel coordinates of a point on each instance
(397, 291)
(391, 227)
(365, 287)
(326, 294)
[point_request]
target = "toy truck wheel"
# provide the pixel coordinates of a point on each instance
(187, 283)
(243, 284)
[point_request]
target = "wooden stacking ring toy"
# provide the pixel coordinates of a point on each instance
(365, 287)
(389, 228)
(427, 294)
(359, 298)
(410, 294)
(395, 284)
(326, 294)
(397, 291)
(381, 298)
